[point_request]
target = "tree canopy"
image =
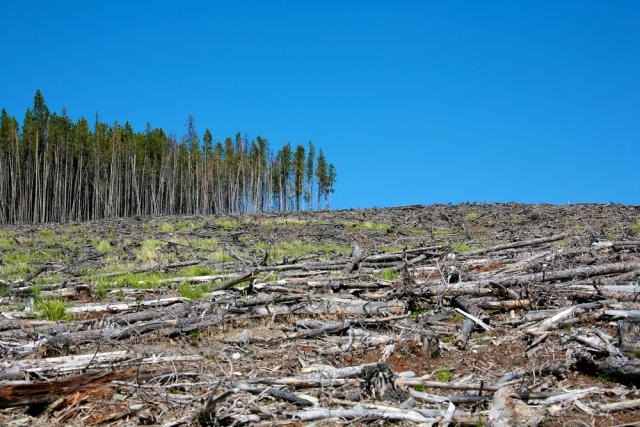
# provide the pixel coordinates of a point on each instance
(55, 170)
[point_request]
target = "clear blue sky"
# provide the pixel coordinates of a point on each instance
(415, 102)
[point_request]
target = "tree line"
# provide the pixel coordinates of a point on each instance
(55, 170)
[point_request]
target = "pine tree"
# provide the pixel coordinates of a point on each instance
(321, 175)
(308, 195)
(298, 174)
(53, 169)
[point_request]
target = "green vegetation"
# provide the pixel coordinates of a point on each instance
(441, 232)
(294, 249)
(103, 246)
(635, 354)
(636, 226)
(390, 274)
(149, 250)
(226, 223)
(419, 311)
(419, 387)
(101, 290)
(52, 309)
(186, 290)
(367, 225)
(166, 227)
(461, 247)
(50, 148)
(196, 270)
(472, 216)
(562, 243)
(444, 375)
(5, 243)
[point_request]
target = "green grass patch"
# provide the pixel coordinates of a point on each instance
(196, 270)
(104, 247)
(562, 243)
(415, 231)
(206, 244)
(369, 226)
(444, 375)
(419, 387)
(636, 226)
(471, 216)
(148, 250)
(461, 247)
(138, 280)
(101, 290)
(219, 256)
(390, 274)
(5, 243)
(52, 309)
(166, 227)
(226, 223)
(186, 290)
(442, 232)
(294, 249)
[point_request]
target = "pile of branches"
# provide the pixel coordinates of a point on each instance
(532, 329)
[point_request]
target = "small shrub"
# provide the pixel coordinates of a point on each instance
(636, 226)
(419, 387)
(472, 216)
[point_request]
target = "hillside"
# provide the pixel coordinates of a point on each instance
(459, 314)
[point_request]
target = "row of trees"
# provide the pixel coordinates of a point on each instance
(55, 170)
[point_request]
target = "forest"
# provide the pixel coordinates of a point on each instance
(55, 170)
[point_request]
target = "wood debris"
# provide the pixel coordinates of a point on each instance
(438, 315)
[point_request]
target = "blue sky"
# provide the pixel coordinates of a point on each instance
(414, 102)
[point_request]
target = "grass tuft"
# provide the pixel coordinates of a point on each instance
(52, 309)
(444, 375)
(104, 247)
(166, 228)
(390, 274)
(186, 290)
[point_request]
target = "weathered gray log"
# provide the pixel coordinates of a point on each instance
(620, 406)
(53, 366)
(547, 276)
(385, 414)
(275, 392)
(520, 244)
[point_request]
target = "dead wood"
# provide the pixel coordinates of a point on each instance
(394, 319)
